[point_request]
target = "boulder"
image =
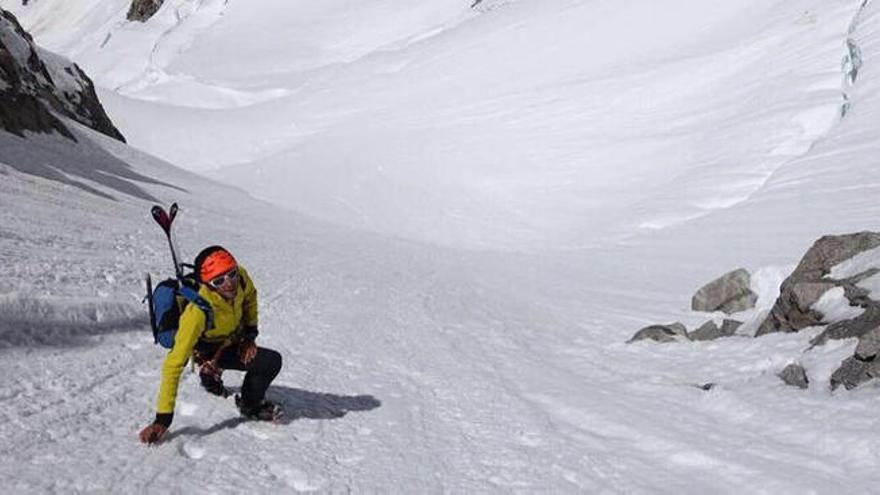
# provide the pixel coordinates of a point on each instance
(37, 85)
(854, 328)
(863, 365)
(142, 10)
(791, 311)
(869, 345)
(729, 293)
(707, 331)
(856, 295)
(672, 332)
(711, 331)
(805, 294)
(729, 327)
(795, 375)
(853, 372)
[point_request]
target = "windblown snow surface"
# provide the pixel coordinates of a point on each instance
(464, 214)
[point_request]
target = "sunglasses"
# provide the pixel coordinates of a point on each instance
(219, 280)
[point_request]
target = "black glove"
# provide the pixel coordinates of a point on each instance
(250, 334)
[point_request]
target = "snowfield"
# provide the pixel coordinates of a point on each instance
(462, 215)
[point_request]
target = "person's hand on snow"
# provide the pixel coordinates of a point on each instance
(248, 351)
(153, 433)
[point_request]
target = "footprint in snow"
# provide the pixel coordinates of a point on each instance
(187, 408)
(192, 450)
(296, 479)
(256, 430)
(348, 461)
(529, 439)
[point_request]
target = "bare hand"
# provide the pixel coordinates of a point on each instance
(153, 433)
(247, 351)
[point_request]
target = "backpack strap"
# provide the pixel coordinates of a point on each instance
(193, 296)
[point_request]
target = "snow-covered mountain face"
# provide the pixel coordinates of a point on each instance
(509, 125)
(676, 142)
(34, 83)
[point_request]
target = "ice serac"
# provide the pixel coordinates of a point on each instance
(142, 10)
(36, 84)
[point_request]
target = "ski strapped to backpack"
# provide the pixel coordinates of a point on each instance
(169, 298)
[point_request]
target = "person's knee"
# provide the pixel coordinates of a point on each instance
(272, 360)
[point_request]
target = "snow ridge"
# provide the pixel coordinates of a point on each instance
(813, 124)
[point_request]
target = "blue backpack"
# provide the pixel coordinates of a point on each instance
(167, 302)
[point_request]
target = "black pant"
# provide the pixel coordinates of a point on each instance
(259, 372)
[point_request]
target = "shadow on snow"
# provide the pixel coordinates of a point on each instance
(75, 164)
(31, 322)
(297, 404)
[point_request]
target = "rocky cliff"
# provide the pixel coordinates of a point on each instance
(37, 86)
(141, 10)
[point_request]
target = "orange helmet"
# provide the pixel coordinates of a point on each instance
(212, 262)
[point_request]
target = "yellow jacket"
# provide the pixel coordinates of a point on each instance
(229, 319)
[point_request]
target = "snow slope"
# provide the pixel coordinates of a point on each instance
(429, 366)
(514, 125)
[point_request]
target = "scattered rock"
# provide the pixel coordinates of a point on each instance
(795, 375)
(142, 10)
(729, 327)
(854, 328)
(853, 372)
(707, 331)
(729, 293)
(869, 345)
(863, 365)
(710, 330)
(673, 332)
(791, 311)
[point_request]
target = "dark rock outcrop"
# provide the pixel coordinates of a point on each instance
(806, 285)
(863, 365)
(795, 375)
(792, 310)
(37, 85)
(142, 10)
(729, 293)
(672, 332)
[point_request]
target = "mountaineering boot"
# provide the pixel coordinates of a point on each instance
(265, 411)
